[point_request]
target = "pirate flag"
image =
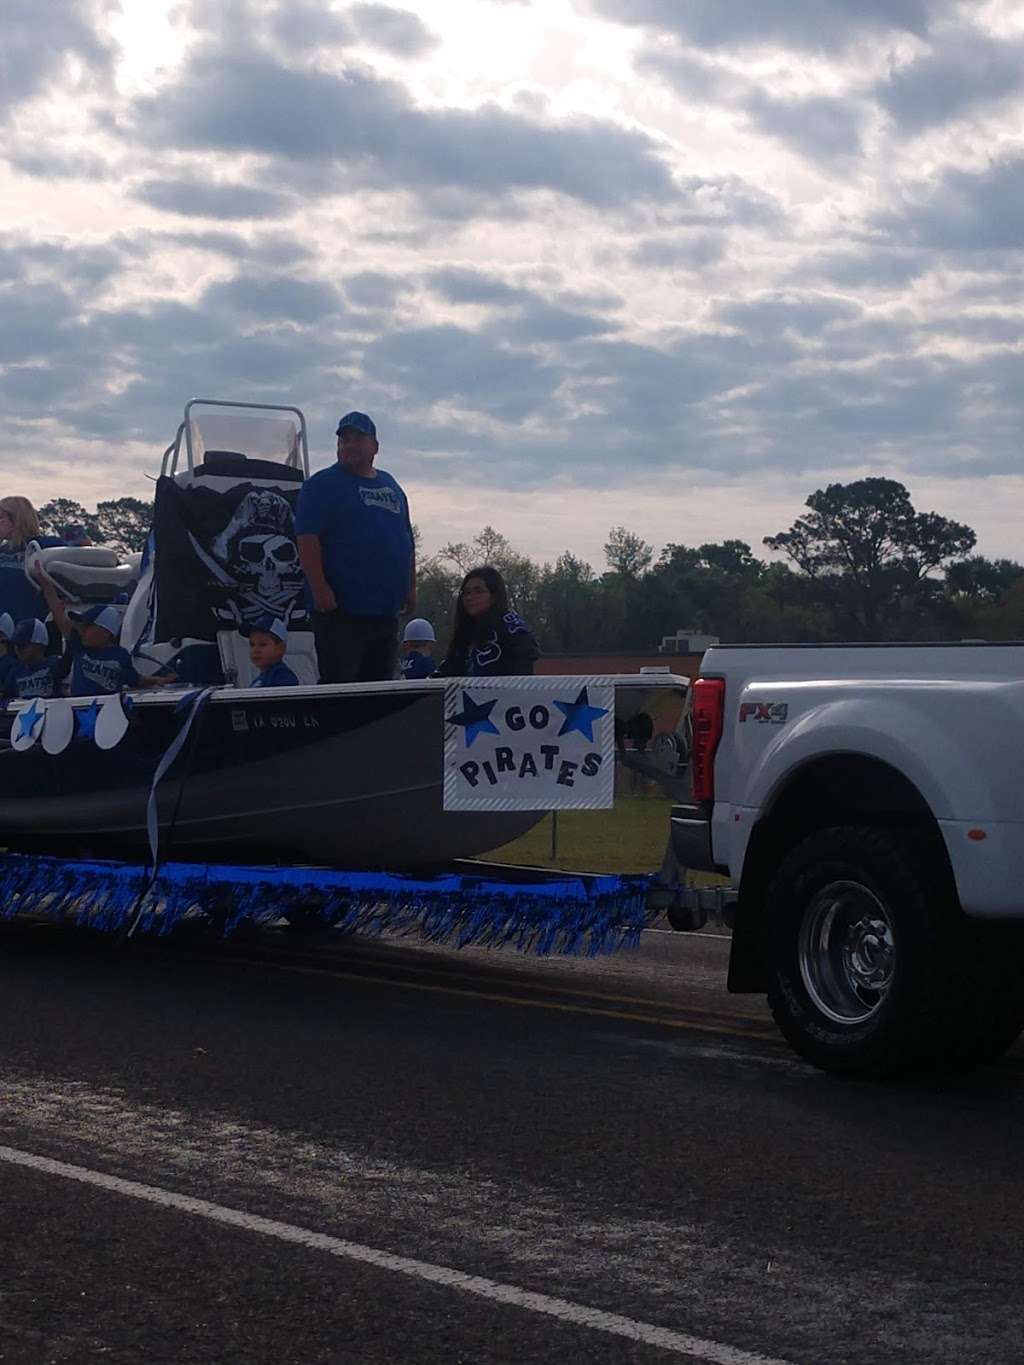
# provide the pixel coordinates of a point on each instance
(224, 557)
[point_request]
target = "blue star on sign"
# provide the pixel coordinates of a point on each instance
(85, 721)
(27, 721)
(475, 717)
(580, 715)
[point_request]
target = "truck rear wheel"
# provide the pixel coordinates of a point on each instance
(872, 967)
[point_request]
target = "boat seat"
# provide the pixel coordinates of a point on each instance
(89, 573)
(300, 657)
(95, 556)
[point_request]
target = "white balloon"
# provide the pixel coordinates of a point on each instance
(58, 726)
(111, 723)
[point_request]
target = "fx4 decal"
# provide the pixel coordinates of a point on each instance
(764, 712)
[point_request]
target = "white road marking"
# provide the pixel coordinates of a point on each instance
(714, 1352)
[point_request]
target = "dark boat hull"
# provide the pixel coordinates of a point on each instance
(336, 775)
(345, 776)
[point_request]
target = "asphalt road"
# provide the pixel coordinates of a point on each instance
(628, 1160)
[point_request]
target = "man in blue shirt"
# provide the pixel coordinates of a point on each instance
(356, 549)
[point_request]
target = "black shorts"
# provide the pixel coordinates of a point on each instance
(356, 648)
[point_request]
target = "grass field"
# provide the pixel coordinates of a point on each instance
(629, 838)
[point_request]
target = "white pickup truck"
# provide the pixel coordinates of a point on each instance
(867, 803)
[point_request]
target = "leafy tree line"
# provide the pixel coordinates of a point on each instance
(120, 522)
(861, 563)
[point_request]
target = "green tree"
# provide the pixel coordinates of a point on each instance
(627, 553)
(564, 605)
(60, 512)
(125, 522)
(520, 573)
(981, 579)
(731, 557)
(1002, 620)
(436, 586)
(870, 553)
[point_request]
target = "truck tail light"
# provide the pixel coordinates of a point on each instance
(708, 713)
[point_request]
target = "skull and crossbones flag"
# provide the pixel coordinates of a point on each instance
(226, 556)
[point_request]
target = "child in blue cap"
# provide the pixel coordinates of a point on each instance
(268, 641)
(35, 673)
(98, 665)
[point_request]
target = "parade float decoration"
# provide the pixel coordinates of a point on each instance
(357, 805)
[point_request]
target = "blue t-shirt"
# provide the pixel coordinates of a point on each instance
(277, 675)
(98, 672)
(25, 681)
(365, 536)
(17, 594)
(417, 665)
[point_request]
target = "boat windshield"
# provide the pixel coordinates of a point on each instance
(259, 435)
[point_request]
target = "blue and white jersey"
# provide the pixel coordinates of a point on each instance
(99, 672)
(502, 647)
(416, 664)
(26, 681)
(365, 536)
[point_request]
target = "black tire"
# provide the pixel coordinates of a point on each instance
(873, 970)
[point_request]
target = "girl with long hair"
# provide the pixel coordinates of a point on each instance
(19, 525)
(489, 639)
(18, 521)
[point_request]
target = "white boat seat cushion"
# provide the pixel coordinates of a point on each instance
(90, 579)
(95, 556)
(300, 657)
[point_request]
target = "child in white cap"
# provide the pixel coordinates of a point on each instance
(35, 673)
(418, 640)
(268, 642)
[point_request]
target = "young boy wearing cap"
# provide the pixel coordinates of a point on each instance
(418, 640)
(98, 665)
(35, 673)
(268, 641)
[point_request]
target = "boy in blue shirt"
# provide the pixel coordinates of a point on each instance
(35, 673)
(268, 641)
(99, 666)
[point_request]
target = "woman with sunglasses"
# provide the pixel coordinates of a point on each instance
(489, 639)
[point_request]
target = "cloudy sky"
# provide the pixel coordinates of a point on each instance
(666, 263)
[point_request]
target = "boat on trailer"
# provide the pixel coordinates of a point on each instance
(349, 776)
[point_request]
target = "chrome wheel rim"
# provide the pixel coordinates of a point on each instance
(846, 952)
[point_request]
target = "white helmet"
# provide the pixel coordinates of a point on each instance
(419, 630)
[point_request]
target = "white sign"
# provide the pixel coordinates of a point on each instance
(529, 744)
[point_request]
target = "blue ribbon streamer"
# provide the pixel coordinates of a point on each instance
(560, 913)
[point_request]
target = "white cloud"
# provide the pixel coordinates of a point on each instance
(671, 263)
